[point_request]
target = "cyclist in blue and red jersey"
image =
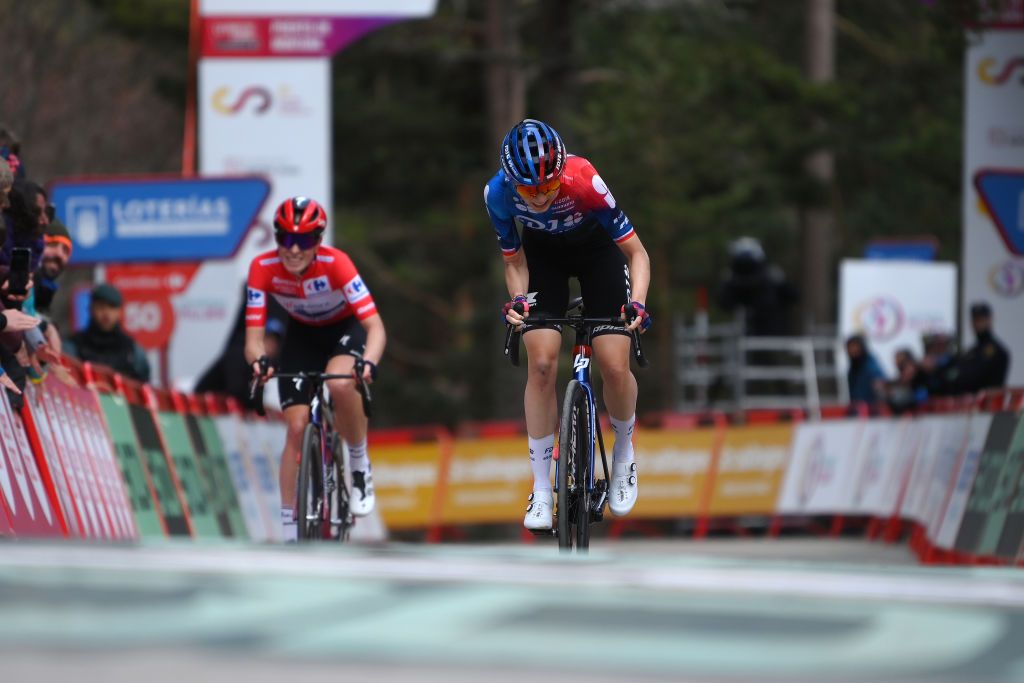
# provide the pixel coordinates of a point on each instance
(571, 227)
(332, 318)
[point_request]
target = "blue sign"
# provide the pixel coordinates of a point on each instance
(902, 250)
(167, 219)
(1003, 194)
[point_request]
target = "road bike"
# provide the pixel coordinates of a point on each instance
(322, 493)
(580, 496)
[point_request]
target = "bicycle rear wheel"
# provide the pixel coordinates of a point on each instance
(572, 439)
(310, 494)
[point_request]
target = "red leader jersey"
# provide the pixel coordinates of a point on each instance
(329, 291)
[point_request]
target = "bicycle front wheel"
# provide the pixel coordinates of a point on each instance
(310, 494)
(572, 454)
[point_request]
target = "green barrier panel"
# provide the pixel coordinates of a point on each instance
(198, 492)
(984, 508)
(1002, 535)
(166, 491)
(132, 467)
(214, 470)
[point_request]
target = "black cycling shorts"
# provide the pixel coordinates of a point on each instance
(308, 348)
(587, 253)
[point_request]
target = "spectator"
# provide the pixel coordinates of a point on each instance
(938, 367)
(758, 288)
(10, 149)
(864, 376)
(25, 222)
(6, 181)
(104, 342)
(56, 254)
(909, 389)
(986, 364)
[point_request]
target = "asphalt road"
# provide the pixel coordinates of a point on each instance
(674, 610)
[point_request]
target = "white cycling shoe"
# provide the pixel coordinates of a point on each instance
(363, 498)
(623, 493)
(538, 512)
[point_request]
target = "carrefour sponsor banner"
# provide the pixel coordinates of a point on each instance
(948, 442)
(821, 467)
(489, 481)
(967, 468)
(892, 303)
(232, 435)
(993, 185)
(673, 465)
(984, 502)
(876, 463)
(751, 466)
(197, 491)
(133, 468)
(405, 477)
(28, 506)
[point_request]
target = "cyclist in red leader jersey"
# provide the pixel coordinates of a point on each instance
(332, 316)
(571, 227)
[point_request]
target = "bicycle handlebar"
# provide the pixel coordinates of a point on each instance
(319, 378)
(512, 334)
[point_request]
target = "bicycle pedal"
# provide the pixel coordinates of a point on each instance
(544, 533)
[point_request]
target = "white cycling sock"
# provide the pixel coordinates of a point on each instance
(622, 451)
(358, 457)
(540, 461)
(291, 529)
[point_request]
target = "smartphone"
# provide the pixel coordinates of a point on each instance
(17, 278)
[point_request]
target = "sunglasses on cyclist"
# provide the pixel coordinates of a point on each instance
(304, 241)
(530, 191)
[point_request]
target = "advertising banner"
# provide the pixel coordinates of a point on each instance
(196, 491)
(213, 464)
(168, 490)
(927, 431)
(132, 466)
(993, 185)
(264, 442)
(893, 303)
(984, 502)
(673, 465)
(49, 454)
(996, 537)
(30, 511)
(405, 477)
(949, 442)
(751, 467)
(821, 467)
(967, 468)
(489, 481)
(876, 463)
(231, 432)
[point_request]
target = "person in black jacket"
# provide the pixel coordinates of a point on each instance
(103, 342)
(986, 364)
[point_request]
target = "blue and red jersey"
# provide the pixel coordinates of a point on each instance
(582, 199)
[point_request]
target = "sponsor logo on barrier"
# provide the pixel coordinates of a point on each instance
(871, 469)
(881, 318)
(996, 72)
(1007, 278)
(819, 468)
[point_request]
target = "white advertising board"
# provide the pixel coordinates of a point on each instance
(993, 227)
(893, 303)
(821, 468)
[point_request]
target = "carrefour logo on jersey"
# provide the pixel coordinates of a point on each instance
(255, 298)
(317, 285)
(355, 290)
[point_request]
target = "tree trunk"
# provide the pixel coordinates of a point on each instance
(506, 82)
(818, 219)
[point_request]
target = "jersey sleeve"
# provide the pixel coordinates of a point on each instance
(501, 217)
(356, 292)
(603, 206)
(256, 289)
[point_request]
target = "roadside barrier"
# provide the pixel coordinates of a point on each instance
(96, 456)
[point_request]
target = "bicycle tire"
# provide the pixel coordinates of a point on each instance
(340, 500)
(309, 496)
(571, 434)
(583, 473)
